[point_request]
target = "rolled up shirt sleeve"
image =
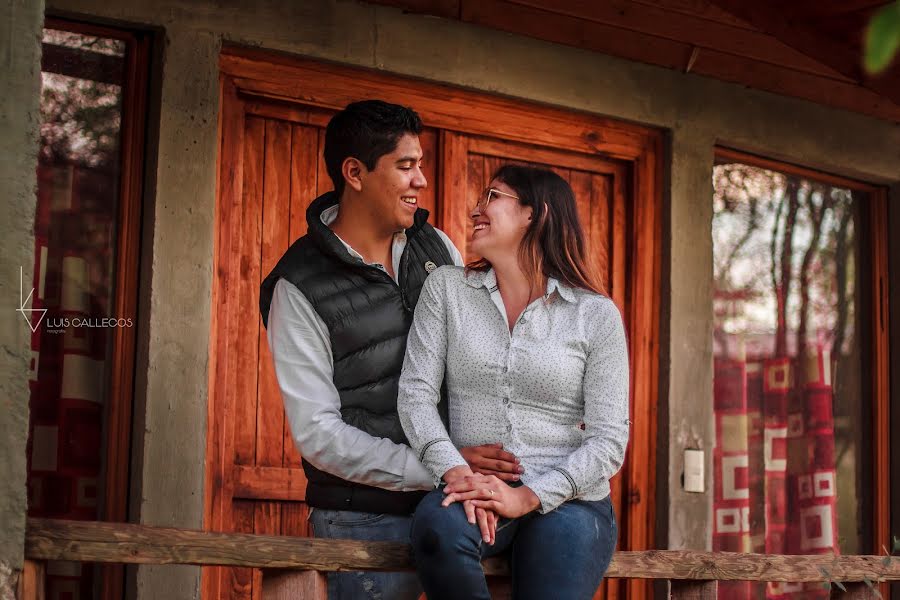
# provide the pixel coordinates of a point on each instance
(301, 351)
(421, 379)
(606, 423)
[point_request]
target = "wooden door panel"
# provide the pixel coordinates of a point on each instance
(271, 168)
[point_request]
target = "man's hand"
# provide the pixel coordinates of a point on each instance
(492, 459)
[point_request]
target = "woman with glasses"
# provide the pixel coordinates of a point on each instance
(534, 356)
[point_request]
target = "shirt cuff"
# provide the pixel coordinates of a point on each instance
(553, 488)
(415, 475)
(440, 455)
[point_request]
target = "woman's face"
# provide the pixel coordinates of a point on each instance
(500, 223)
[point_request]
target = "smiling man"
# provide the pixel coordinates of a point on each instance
(337, 309)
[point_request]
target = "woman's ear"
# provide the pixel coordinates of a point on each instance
(352, 170)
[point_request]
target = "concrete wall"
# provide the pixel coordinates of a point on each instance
(697, 112)
(20, 60)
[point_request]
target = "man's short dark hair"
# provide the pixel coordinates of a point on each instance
(366, 131)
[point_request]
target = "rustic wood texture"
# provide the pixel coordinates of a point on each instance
(807, 50)
(694, 590)
(49, 539)
(31, 581)
(294, 585)
(269, 483)
(271, 167)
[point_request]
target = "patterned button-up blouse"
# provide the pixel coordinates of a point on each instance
(554, 391)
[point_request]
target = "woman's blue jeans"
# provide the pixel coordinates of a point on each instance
(562, 554)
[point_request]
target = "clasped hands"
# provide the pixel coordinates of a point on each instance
(481, 488)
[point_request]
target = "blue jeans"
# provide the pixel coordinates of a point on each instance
(371, 527)
(562, 554)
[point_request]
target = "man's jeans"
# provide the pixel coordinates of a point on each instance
(371, 527)
(561, 555)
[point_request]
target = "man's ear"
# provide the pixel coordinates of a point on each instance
(353, 170)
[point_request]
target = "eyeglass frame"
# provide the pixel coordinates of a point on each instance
(486, 198)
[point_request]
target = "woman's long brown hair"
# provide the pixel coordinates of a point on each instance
(553, 245)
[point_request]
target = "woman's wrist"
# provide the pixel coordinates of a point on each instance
(529, 500)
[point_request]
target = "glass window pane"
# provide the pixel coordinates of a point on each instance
(791, 382)
(75, 254)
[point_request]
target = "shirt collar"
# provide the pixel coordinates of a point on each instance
(488, 279)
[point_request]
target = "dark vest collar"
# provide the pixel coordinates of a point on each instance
(328, 242)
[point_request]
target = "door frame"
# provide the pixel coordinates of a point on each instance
(253, 81)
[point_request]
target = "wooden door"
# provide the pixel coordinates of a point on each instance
(273, 115)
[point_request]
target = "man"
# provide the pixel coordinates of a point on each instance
(337, 309)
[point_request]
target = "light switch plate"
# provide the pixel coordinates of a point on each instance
(693, 471)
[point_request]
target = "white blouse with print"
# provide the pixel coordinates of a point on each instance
(564, 365)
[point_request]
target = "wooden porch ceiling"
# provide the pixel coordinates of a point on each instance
(808, 49)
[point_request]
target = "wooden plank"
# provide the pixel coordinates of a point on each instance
(269, 483)
(438, 8)
(49, 539)
(698, 8)
(476, 182)
(539, 154)
(766, 16)
(881, 375)
(295, 519)
(275, 237)
(323, 181)
(580, 182)
(723, 155)
(239, 579)
(688, 29)
(643, 306)
(32, 581)
(454, 185)
(694, 590)
(244, 351)
(294, 585)
(427, 198)
(598, 225)
(220, 422)
(441, 106)
(303, 169)
(632, 45)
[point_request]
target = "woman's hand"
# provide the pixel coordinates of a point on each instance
(489, 492)
(486, 519)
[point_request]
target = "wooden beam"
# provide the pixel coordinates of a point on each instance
(88, 541)
(436, 8)
(766, 16)
(688, 29)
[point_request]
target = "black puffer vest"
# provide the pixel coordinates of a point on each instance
(368, 318)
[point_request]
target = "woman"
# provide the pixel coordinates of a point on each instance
(534, 354)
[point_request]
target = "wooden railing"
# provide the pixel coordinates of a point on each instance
(295, 567)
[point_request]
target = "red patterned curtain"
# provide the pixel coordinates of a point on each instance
(774, 464)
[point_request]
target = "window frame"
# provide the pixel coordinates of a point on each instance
(877, 252)
(116, 458)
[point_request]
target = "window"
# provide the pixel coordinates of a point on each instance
(795, 386)
(82, 297)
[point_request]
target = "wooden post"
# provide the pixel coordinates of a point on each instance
(692, 589)
(31, 582)
(856, 590)
(294, 585)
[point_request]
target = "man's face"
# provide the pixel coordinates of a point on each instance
(392, 188)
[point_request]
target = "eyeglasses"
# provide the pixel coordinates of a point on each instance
(489, 195)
